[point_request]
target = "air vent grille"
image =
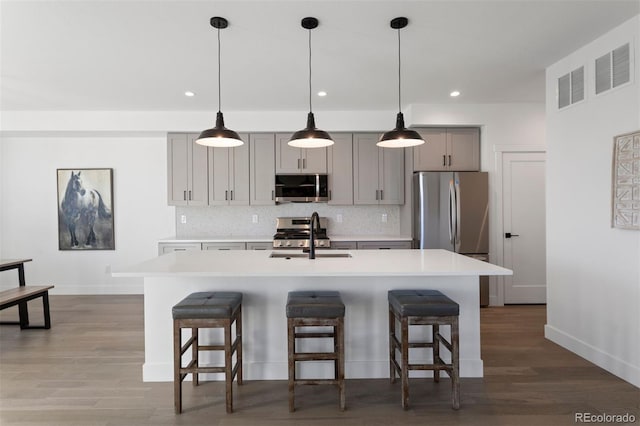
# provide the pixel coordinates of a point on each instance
(613, 69)
(571, 88)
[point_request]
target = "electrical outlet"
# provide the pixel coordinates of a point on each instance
(183, 218)
(339, 218)
(254, 218)
(384, 218)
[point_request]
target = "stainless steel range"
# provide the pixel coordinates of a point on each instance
(293, 232)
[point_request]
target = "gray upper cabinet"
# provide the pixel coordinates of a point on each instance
(294, 160)
(378, 173)
(229, 175)
(340, 169)
(456, 149)
(187, 170)
(262, 169)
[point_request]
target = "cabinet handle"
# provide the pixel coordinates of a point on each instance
(299, 163)
(232, 194)
(184, 197)
(189, 195)
(304, 163)
(381, 195)
(225, 195)
(377, 195)
(444, 160)
(449, 159)
(329, 194)
(273, 195)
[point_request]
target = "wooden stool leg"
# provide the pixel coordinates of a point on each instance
(340, 350)
(195, 349)
(291, 342)
(404, 373)
(228, 368)
(392, 348)
(455, 360)
(435, 331)
(177, 362)
(239, 348)
(45, 307)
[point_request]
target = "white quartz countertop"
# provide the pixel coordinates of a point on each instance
(362, 263)
(269, 238)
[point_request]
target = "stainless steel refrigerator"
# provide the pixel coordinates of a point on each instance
(451, 211)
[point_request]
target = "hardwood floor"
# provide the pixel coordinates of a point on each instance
(86, 370)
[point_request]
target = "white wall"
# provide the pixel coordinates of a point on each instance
(593, 270)
(28, 209)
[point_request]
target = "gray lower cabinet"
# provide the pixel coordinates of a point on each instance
(292, 160)
(344, 245)
(229, 175)
(164, 248)
(262, 169)
(186, 170)
(340, 169)
(259, 245)
(224, 246)
(378, 173)
(384, 245)
(454, 149)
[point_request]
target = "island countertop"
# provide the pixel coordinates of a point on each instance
(362, 263)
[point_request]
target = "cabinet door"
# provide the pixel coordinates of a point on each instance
(314, 160)
(219, 176)
(463, 147)
(391, 175)
(432, 154)
(259, 245)
(177, 173)
(164, 248)
(262, 169)
(383, 245)
(340, 169)
(239, 174)
(344, 245)
(288, 158)
(366, 188)
(198, 191)
(223, 246)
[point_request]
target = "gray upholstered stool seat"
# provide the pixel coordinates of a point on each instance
(214, 309)
(423, 307)
(210, 304)
(314, 304)
(312, 309)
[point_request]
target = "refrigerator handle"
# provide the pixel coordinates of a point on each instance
(458, 215)
(452, 212)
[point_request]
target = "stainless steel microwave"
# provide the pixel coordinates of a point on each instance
(302, 188)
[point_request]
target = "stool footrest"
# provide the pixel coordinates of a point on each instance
(315, 356)
(308, 334)
(316, 382)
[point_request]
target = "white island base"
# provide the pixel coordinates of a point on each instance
(363, 281)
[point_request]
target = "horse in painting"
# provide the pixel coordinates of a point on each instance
(82, 206)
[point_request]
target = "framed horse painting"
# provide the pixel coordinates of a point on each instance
(85, 209)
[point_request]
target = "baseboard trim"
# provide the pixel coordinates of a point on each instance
(85, 290)
(604, 360)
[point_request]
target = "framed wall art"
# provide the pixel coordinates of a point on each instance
(625, 191)
(85, 209)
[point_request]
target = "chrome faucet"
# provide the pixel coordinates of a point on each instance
(313, 223)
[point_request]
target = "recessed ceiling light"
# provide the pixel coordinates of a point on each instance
(322, 93)
(454, 94)
(189, 94)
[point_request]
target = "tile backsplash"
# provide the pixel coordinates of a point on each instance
(239, 220)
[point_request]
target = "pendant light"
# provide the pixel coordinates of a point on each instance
(219, 136)
(400, 137)
(310, 137)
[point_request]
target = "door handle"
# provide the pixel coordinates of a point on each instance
(444, 160)
(509, 235)
(226, 195)
(381, 195)
(184, 196)
(449, 159)
(231, 194)
(189, 195)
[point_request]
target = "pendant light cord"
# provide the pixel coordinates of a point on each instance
(310, 110)
(399, 76)
(219, 95)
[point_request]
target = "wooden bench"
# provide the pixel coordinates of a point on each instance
(20, 296)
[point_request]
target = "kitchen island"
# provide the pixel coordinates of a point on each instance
(363, 277)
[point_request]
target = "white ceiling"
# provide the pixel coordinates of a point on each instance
(143, 55)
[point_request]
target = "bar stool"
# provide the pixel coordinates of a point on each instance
(315, 309)
(423, 307)
(207, 310)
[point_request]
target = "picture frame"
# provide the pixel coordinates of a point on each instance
(85, 209)
(625, 191)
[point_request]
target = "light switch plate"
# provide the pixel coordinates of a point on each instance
(254, 218)
(384, 218)
(183, 218)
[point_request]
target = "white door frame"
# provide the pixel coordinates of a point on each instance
(496, 294)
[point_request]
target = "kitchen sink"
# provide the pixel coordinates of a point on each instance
(298, 255)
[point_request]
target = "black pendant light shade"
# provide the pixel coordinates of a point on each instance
(400, 137)
(219, 136)
(310, 136)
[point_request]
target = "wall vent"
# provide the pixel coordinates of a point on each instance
(613, 69)
(571, 88)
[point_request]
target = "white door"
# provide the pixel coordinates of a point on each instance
(523, 196)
